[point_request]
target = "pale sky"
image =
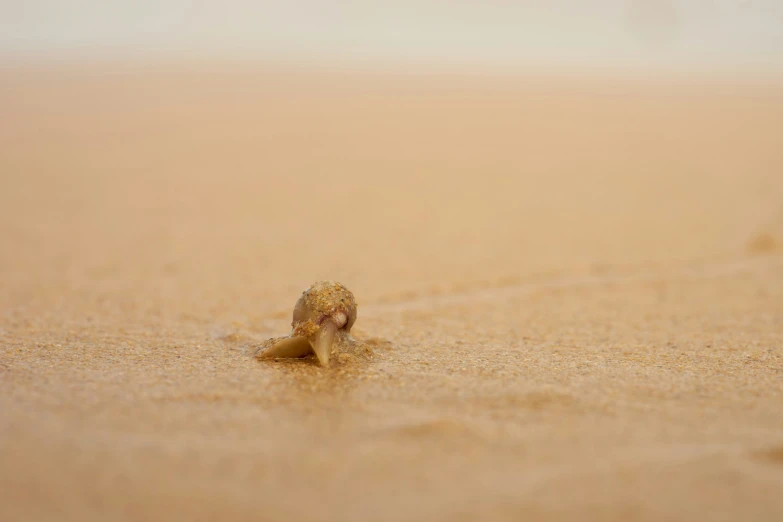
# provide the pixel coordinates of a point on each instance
(609, 33)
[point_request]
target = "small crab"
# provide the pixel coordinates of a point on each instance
(323, 317)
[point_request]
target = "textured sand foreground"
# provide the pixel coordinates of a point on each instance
(574, 292)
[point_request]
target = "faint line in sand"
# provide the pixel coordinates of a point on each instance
(686, 273)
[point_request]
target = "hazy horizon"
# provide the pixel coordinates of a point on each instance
(702, 35)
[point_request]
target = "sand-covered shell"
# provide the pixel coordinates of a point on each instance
(322, 320)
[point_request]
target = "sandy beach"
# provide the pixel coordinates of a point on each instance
(573, 289)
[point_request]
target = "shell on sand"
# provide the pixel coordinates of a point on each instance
(322, 321)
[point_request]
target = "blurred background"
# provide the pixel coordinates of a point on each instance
(457, 142)
(627, 34)
(447, 143)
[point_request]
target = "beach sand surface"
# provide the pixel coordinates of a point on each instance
(573, 289)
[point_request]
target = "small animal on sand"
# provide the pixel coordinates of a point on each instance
(322, 321)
